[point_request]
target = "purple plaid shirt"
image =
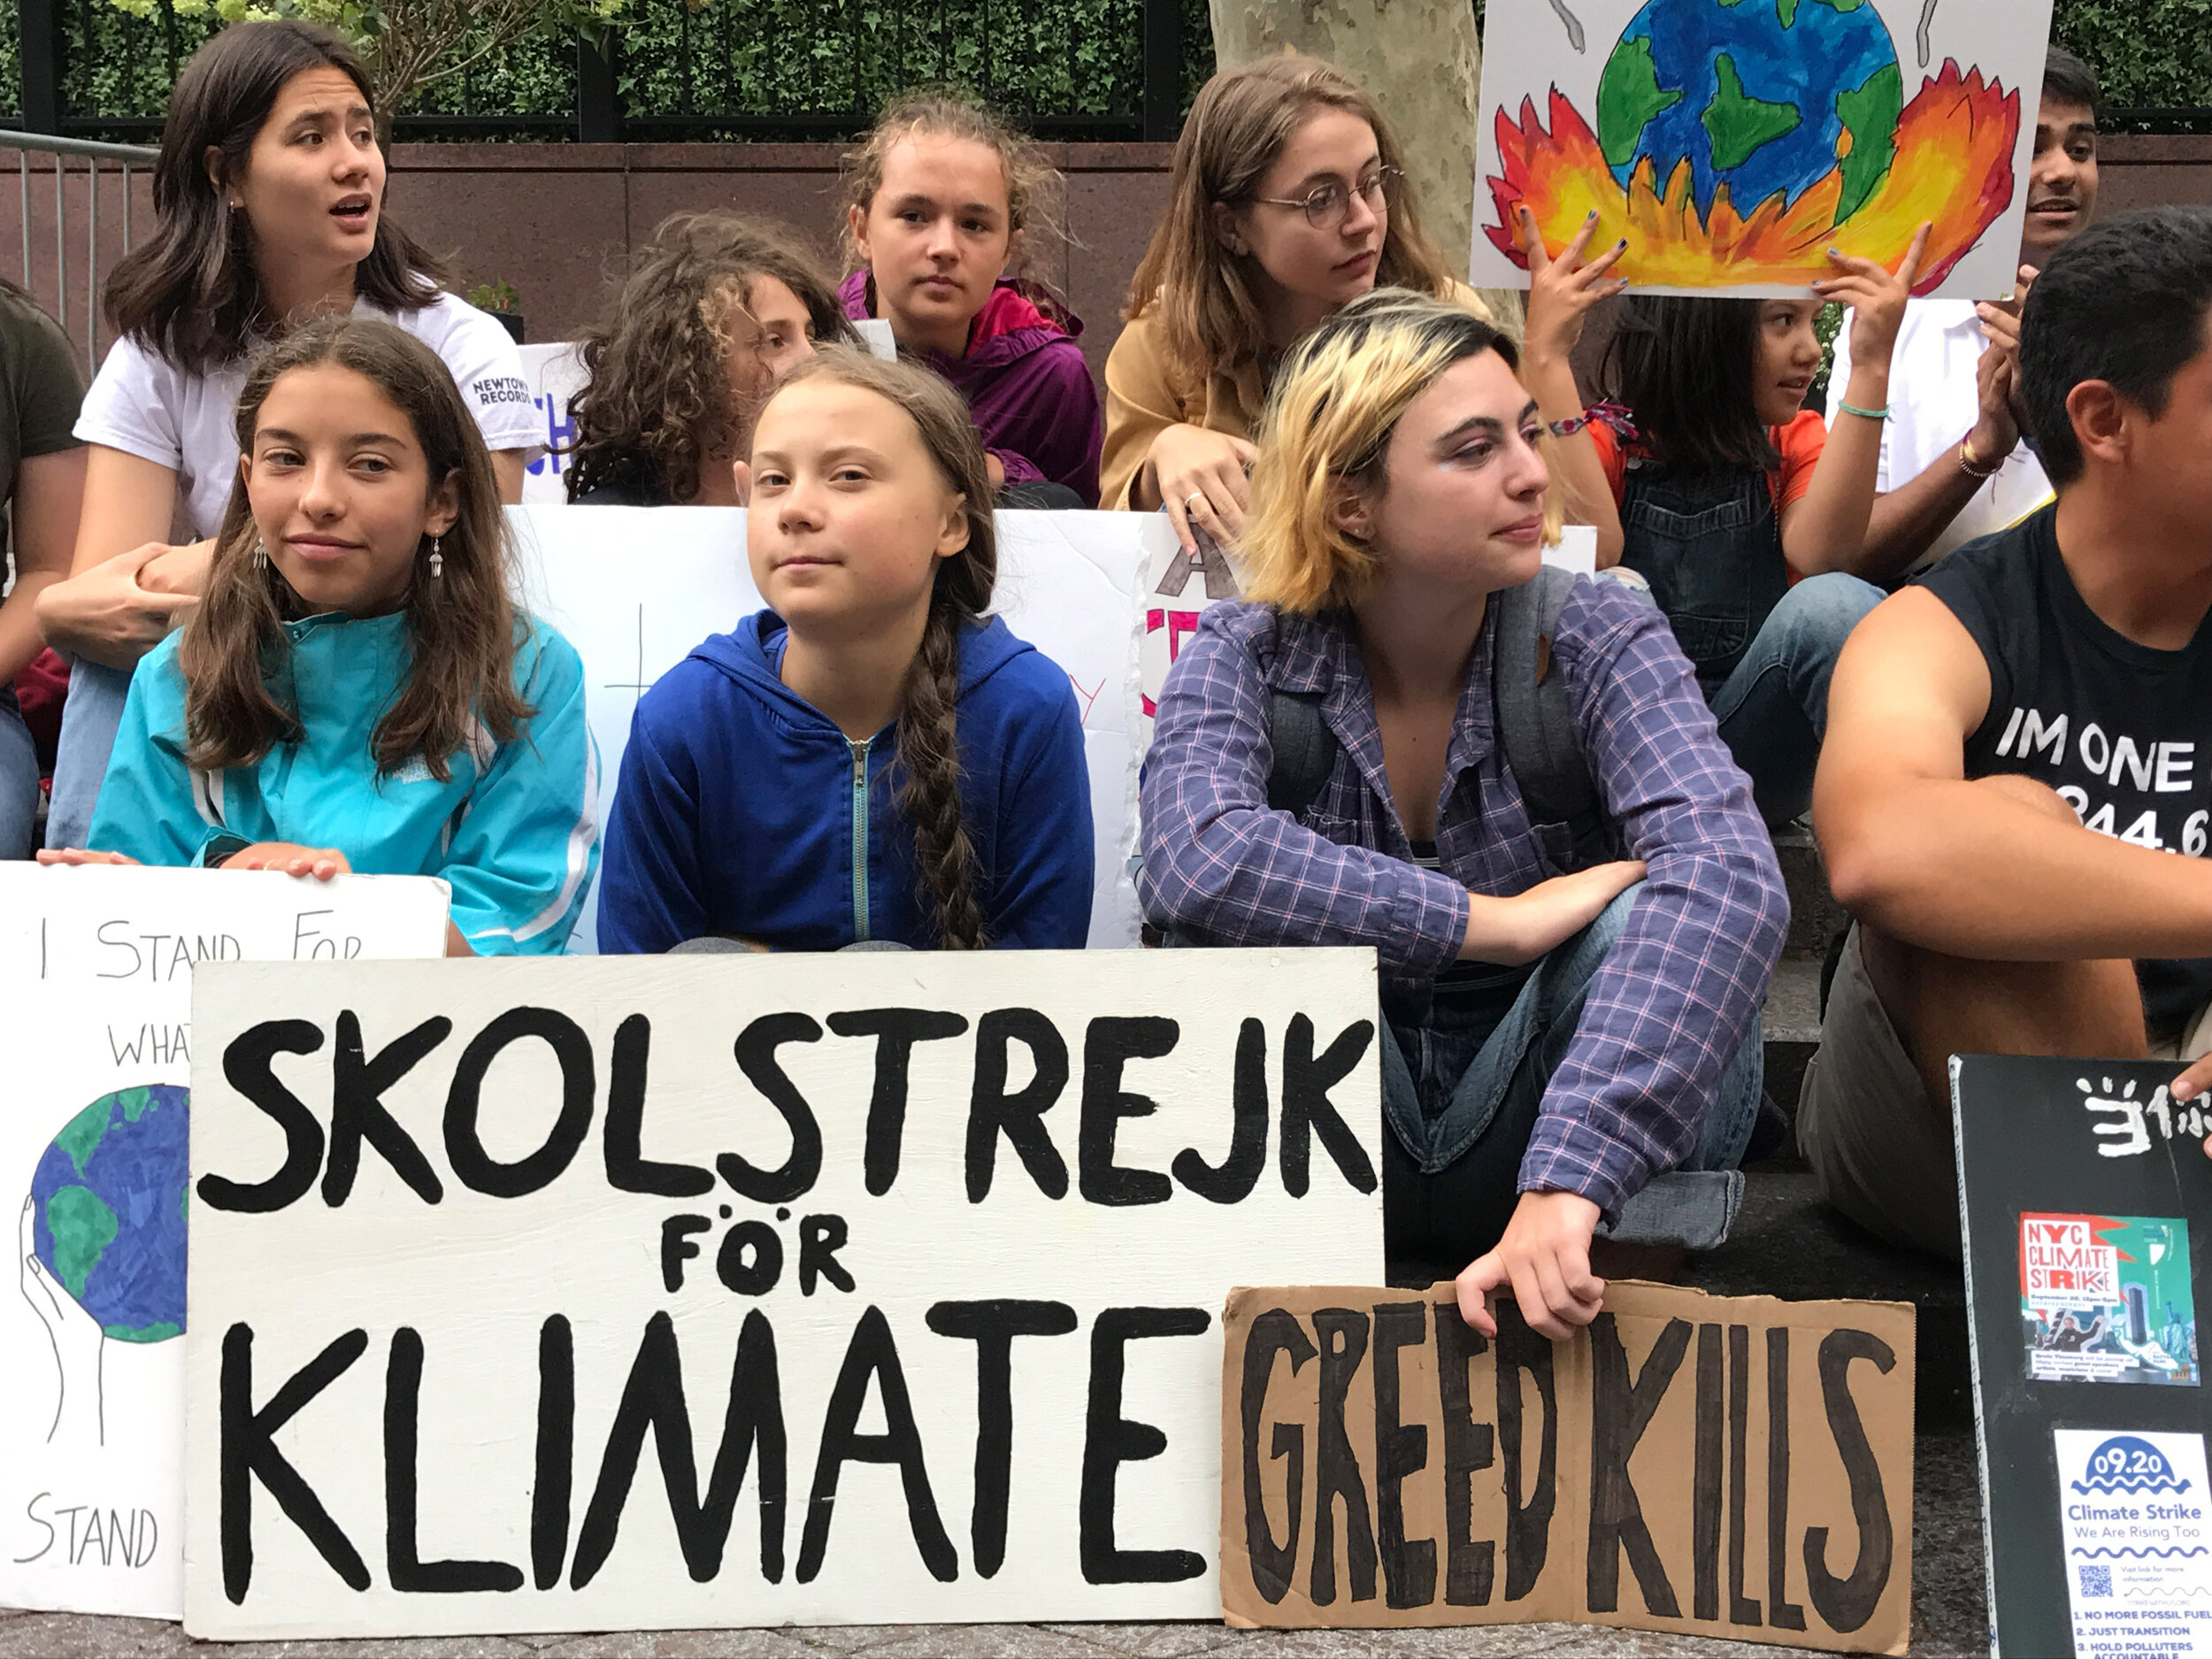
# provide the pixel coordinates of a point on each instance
(1676, 994)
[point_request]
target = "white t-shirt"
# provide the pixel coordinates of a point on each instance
(145, 405)
(1932, 405)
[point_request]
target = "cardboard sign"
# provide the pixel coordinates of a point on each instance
(1711, 1466)
(636, 589)
(1730, 143)
(95, 974)
(2087, 1200)
(671, 1292)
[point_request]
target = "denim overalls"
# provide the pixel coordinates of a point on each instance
(1710, 544)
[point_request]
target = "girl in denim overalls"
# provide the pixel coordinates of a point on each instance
(1746, 516)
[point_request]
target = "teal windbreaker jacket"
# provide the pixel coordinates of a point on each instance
(514, 831)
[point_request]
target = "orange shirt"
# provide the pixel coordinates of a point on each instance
(1799, 444)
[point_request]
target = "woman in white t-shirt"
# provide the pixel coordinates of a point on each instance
(268, 201)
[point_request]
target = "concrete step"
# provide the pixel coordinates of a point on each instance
(1815, 916)
(1791, 1021)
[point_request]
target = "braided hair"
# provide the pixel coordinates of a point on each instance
(928, 757)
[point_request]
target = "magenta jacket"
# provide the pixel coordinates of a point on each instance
(1025, 381)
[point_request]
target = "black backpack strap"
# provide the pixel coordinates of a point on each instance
(1305, 750)
(1536, 720)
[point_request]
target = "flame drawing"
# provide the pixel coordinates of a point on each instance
(1952, 167)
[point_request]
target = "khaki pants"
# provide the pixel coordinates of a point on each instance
(1880, 1153)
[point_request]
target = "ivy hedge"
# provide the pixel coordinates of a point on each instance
(828, 57)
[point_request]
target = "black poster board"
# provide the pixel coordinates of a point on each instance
(2086, 1201)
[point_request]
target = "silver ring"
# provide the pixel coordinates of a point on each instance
(1196, 495)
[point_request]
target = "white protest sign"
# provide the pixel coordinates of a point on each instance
(909, 1267)
(95, 973)
(636, 589)
(2133, 1518)
(556, 374)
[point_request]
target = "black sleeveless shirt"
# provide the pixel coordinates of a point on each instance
(2122, 731)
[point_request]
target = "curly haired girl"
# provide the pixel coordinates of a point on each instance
(717, 306)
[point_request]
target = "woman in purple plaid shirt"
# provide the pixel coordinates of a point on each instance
(1573, 1050)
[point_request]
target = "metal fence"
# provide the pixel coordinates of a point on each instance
(80, 223)
(733, 69)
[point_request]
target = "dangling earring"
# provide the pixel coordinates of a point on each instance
(260, 558)
(437, 561)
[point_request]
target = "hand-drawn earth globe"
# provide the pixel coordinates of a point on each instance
(108, 1208)
(1765, 96)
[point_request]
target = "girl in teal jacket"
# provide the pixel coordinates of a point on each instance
(357, 691)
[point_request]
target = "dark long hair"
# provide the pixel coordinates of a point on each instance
(657, 395)
(461, 626)
(1685, 367)
(929, 738)
(191, 291)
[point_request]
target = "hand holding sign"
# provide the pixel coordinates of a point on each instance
(322, 862)
(1877, 297)
(1545, 1255)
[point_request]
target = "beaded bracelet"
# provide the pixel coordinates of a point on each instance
(1973, 466)
(1612, 415)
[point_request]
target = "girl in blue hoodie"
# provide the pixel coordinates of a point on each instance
(869, 758)
(356, 691)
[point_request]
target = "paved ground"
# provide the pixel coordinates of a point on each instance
(1948, 1619)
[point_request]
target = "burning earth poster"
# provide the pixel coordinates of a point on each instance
(1730, 143)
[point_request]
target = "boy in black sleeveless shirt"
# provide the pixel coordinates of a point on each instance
(2016, 793)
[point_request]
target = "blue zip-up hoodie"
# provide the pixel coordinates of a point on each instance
(513, 830)
(742, 809)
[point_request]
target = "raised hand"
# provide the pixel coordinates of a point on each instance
(1561, 291)
(1877, 297)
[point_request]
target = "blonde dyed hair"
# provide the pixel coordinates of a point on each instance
(1203, 296)
(1334, 407)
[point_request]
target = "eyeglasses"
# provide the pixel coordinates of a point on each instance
(1325, 205)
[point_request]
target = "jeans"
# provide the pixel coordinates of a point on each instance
(1460, 1102)
(89, 721)
(18, 780)
(1773, 709)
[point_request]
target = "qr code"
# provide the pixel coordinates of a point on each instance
(2096, 1580)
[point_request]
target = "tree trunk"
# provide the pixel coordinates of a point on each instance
(1421, 61)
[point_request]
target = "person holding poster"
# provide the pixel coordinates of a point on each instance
(268, 208)
(939, 197)
(357, 691)
(716, 309)
(1730, 499)
(869, 759)
(1567, 1025)
(1287, 198)
(2014, 741)
(1952, 465)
